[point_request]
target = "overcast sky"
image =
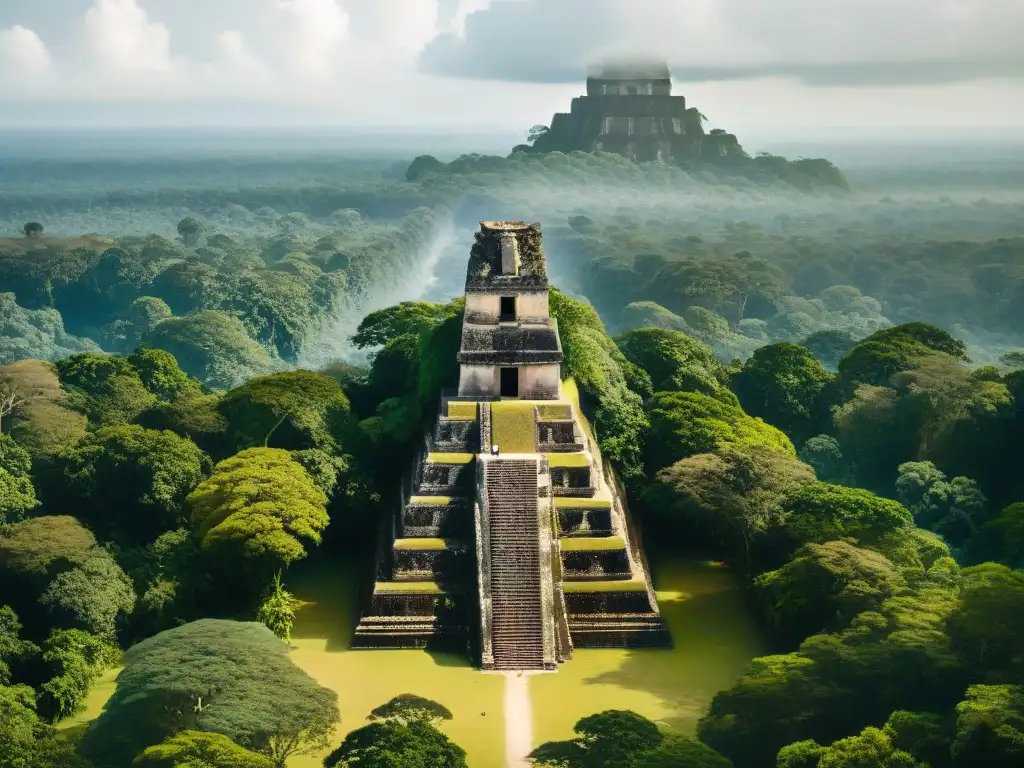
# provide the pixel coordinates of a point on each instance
(767, 68)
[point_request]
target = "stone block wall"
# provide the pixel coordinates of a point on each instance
(585, 522)
(540, 382)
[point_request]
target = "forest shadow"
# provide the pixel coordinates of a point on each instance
(448, 657)
(328, 590)
(714, 638)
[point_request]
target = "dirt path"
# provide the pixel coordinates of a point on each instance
(518, 720)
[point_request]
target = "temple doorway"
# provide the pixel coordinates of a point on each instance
(510, 382)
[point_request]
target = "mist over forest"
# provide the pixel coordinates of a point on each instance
(219, 353)
(928, 231)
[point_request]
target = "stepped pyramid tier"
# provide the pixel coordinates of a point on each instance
(510, 538)
(629, 109)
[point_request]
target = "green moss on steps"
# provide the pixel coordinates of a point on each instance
(426, 544)
(570, 502)
(408, 588)
(450, 458)
(592, 544)
(556, 412)
(624, 585)
(568, 460)
(431, 501)
(513, 427)
(461, 411)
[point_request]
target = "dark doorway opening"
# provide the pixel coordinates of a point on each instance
(510, 382)
(508, 309)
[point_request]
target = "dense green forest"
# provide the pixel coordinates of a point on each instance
(828, 395)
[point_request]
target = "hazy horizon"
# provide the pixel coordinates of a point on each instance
(907, 146)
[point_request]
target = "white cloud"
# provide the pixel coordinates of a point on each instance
(123, 38)
(314, 31)
(401, 25)
(23, 53)
(829, 42)
(745, 63)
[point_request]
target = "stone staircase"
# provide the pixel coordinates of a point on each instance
(517, 623)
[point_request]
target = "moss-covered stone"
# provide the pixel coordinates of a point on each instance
(592, 544)
(568, 460)
(636, 584)
(563, 502)
(425, 543)
(513, 427)
(554, 412)
(462, 411)
(450, 458)
(409, 588)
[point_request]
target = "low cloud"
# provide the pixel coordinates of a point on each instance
(123, 39)
(818, 42)
(23, 53)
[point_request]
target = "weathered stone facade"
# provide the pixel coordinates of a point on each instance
(511, 538)
(629, 109)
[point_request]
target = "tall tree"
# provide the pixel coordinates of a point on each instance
(190, 231)
(227, 677)
(673, 360)
(784, 385)
(261, 505)
(198, 749)
(128, 482)
(738, 494)
(403, 734)
(17, 494)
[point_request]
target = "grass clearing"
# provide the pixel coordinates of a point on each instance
(101, 690)
(513, 427)
(592, 543)
(714, 637)
(568, 460)
(367, 679)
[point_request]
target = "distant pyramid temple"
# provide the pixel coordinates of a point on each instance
(630, 110)
(511, 537)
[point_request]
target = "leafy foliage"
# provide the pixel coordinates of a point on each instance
(76, 659)
(17, 494)
(199, 748)
(106, 388)
(129, 482)
(38, 419)
(404, 734)
(260, 504)
(672, 359)
(295, 410)
(688, 423)
(226, 677)
(619, 738)
(211, 346)
(824, 586)
(600, 372)
(989, 727)
(277, 612)
(738, 494)
(784, 385)
(92, 595)
(952, 508)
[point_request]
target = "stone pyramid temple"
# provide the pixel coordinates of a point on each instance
(510, 538)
